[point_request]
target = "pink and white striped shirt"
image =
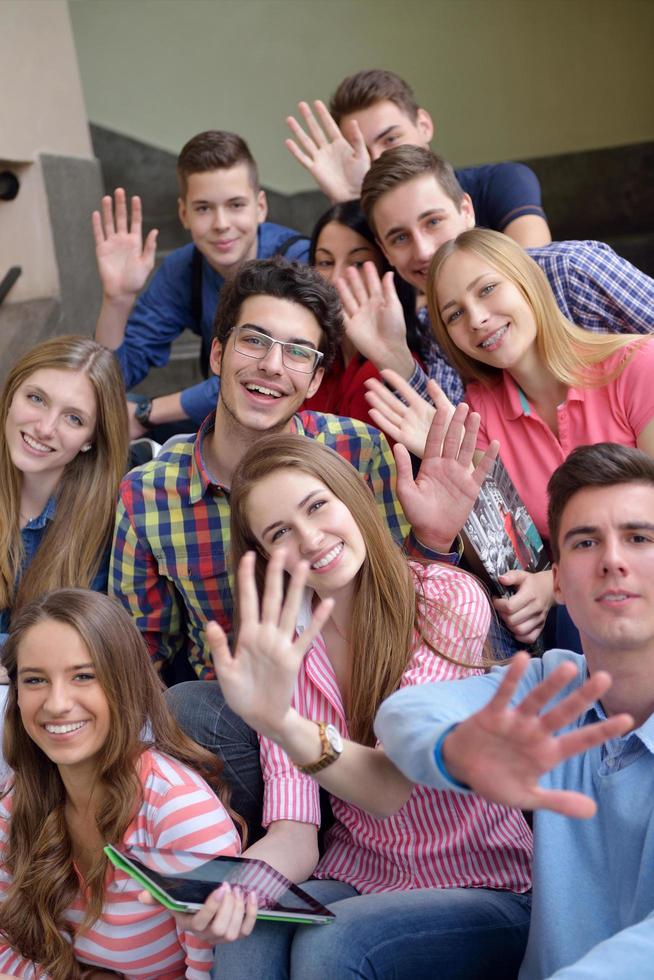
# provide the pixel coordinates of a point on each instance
(179, 812)
(437, 839)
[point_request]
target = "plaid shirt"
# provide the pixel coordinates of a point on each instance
(172, 537)
(594, 288)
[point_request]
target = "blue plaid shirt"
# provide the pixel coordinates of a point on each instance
(594, 288)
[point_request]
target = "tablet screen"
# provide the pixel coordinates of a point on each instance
(189, 878)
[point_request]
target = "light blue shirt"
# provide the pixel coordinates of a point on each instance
(593, 905)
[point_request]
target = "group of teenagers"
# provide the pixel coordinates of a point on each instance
(348, 720)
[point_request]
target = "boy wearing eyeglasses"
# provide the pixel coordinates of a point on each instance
(223, 207)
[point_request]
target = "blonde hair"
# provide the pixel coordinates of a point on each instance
(390, 617)
(39, 856)
(569, 352)
(75, 541)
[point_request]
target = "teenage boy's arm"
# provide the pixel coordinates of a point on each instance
(605, 292)
(124, 263)
(135, 580)
(629, 953)
(469, 736)
(514, 206)
(337, 163)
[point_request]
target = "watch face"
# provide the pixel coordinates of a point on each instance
(334, 738)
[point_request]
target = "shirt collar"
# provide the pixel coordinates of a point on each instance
(202, 480)
(644, 733)
(46, 515)
(514, 400)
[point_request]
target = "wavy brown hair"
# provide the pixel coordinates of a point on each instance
(39, 856)
(390, 618)
(76, 539)
(569, 352)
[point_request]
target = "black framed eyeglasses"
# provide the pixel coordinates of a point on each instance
(252, 342)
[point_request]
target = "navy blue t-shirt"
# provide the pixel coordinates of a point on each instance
(501, 192)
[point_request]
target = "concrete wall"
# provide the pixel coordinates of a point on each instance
(503, 78)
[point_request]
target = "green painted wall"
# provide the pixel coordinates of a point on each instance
(502, 78)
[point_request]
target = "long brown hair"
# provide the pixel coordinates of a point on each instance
(75, 541)
(39, 856)
(568, 351)
(389, 616)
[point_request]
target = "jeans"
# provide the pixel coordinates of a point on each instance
(200, 709)
(423, 934)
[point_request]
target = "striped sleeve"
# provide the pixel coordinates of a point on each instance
(11, 962)
(456, 619)
(288, 793)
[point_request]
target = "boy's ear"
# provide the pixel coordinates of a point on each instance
(425, 125)
(182, 212)
(468, 211)
(556, 585)
(315, 382)
(262, 207)
(216, 356)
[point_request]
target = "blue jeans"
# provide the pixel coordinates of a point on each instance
(200, 709)
(424, 934)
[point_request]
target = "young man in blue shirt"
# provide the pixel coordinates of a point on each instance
(375, 110)
(531, 735)
(223, 207)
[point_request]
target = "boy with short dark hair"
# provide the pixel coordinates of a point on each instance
(414, 204)
(375, 110)
(223, 207)
(530, 735)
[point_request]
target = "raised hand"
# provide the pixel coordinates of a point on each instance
(124, 262)
(438, 501)
(374, 319)
(501, 752)
(338, 165)
(526, 610)
(259, 679)
(407, 418)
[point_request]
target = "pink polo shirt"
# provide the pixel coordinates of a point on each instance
(616, 412)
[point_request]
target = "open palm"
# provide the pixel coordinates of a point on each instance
(259, 679)
(124, 262)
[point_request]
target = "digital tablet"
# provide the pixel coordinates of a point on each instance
(182, 880)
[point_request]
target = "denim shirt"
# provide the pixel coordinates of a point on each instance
(32, 535)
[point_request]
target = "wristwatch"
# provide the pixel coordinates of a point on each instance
(332, 746)
(142, 411)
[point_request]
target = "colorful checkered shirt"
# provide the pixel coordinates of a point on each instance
(594, 288)
(169, 565)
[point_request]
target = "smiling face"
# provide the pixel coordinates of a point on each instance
(264, 394)
(223, 211)
(62, 705)
(51, 419)
(384, 125)
(485, 313)
(339, 247)
(294, 510)
(605, 572)
(414, 220)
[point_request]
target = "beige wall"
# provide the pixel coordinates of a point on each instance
(503, 78)
(41, 111)
(42, 108)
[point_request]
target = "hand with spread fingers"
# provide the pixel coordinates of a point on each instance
(227, 915)
(259, 679)
(336, 163)
(374, 319)
(124, 262)
(438, 501)
(402, 413)
(502, 751)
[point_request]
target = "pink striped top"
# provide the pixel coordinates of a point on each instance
(438, 839)
(179, 811)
